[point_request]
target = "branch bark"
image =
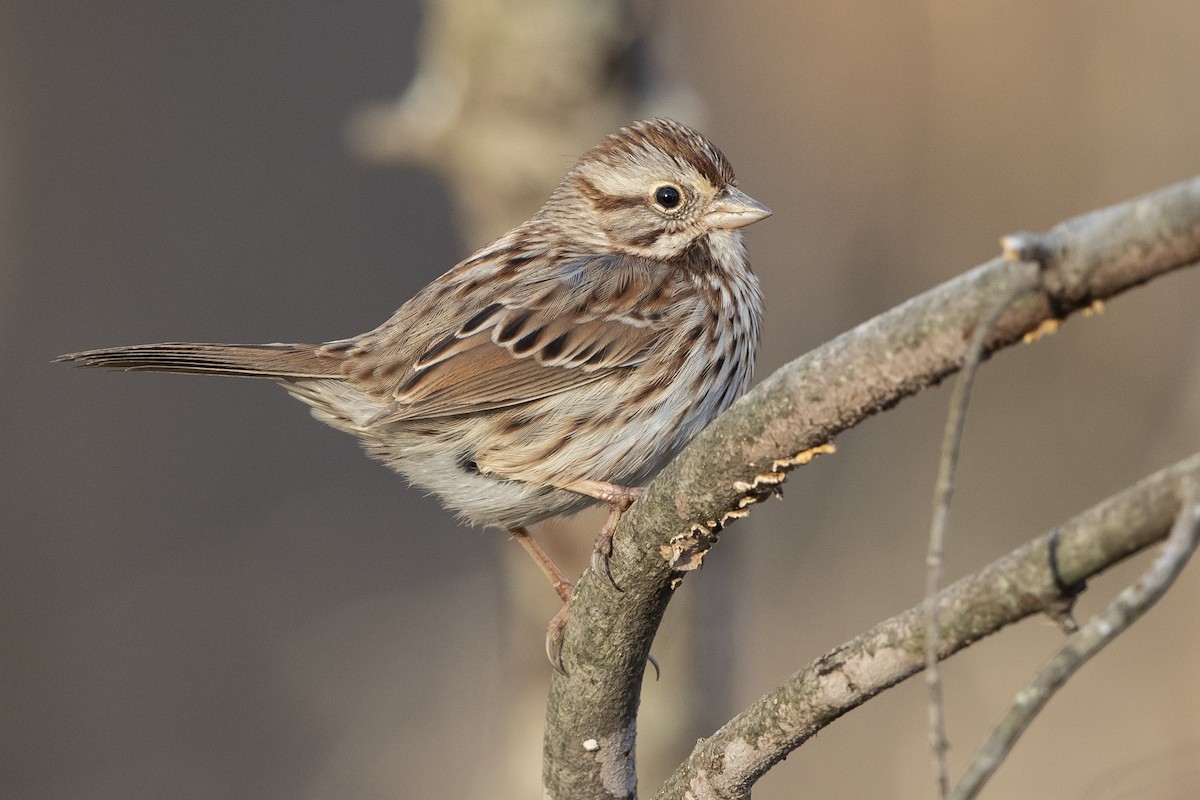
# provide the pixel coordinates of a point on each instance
(1021, 584)
(745, 455)
(1126, 609)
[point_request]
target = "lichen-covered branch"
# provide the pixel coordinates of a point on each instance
(804, 405)
(726, 764)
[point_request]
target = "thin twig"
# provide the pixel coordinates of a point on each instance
(1090, 640)
(1021, 584)
(943, 493)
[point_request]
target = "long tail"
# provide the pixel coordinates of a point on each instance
(246, 360)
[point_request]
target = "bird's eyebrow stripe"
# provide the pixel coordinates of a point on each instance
(602, 201)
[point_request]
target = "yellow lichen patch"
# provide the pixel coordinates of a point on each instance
(773, 478)
(1097, 307)
(737, 513)
(804, 456)
(1045, 329)
(686, 552)
(764, 485)
(768, 483)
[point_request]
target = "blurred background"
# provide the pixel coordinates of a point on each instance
(204, 593)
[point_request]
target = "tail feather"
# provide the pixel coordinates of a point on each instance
(247, 360)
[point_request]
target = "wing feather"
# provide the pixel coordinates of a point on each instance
(549, 334)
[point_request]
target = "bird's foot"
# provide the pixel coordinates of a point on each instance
(619, 502)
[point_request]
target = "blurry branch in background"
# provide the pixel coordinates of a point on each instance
(744, 456)
(506, 95)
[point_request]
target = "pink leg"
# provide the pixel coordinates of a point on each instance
(562, 587)
(619, 499)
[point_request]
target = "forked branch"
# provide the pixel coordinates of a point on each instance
(1100, 631)
(1021, 584)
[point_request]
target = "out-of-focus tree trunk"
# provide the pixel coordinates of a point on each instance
(508, 93)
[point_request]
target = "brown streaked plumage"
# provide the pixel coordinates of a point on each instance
(560, 366)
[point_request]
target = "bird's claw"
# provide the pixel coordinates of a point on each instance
(600, 556)
(554, 643)
(617, 505)
(554, 638)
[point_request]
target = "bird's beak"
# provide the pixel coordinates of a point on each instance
(733, 208)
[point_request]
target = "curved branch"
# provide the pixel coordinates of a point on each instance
(1125, 610)
(943, 491)
(745, 454)
(1021, 584)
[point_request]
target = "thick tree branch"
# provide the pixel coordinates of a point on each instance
(1021, 584)
(745, 454)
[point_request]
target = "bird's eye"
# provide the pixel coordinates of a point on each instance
(667, 196)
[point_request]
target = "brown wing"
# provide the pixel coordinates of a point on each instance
(549, 334)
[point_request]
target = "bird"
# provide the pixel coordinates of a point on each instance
(558, 367)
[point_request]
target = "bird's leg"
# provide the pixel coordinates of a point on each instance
(562, 587)
(619, 499)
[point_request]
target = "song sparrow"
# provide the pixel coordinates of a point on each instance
(561, 365)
